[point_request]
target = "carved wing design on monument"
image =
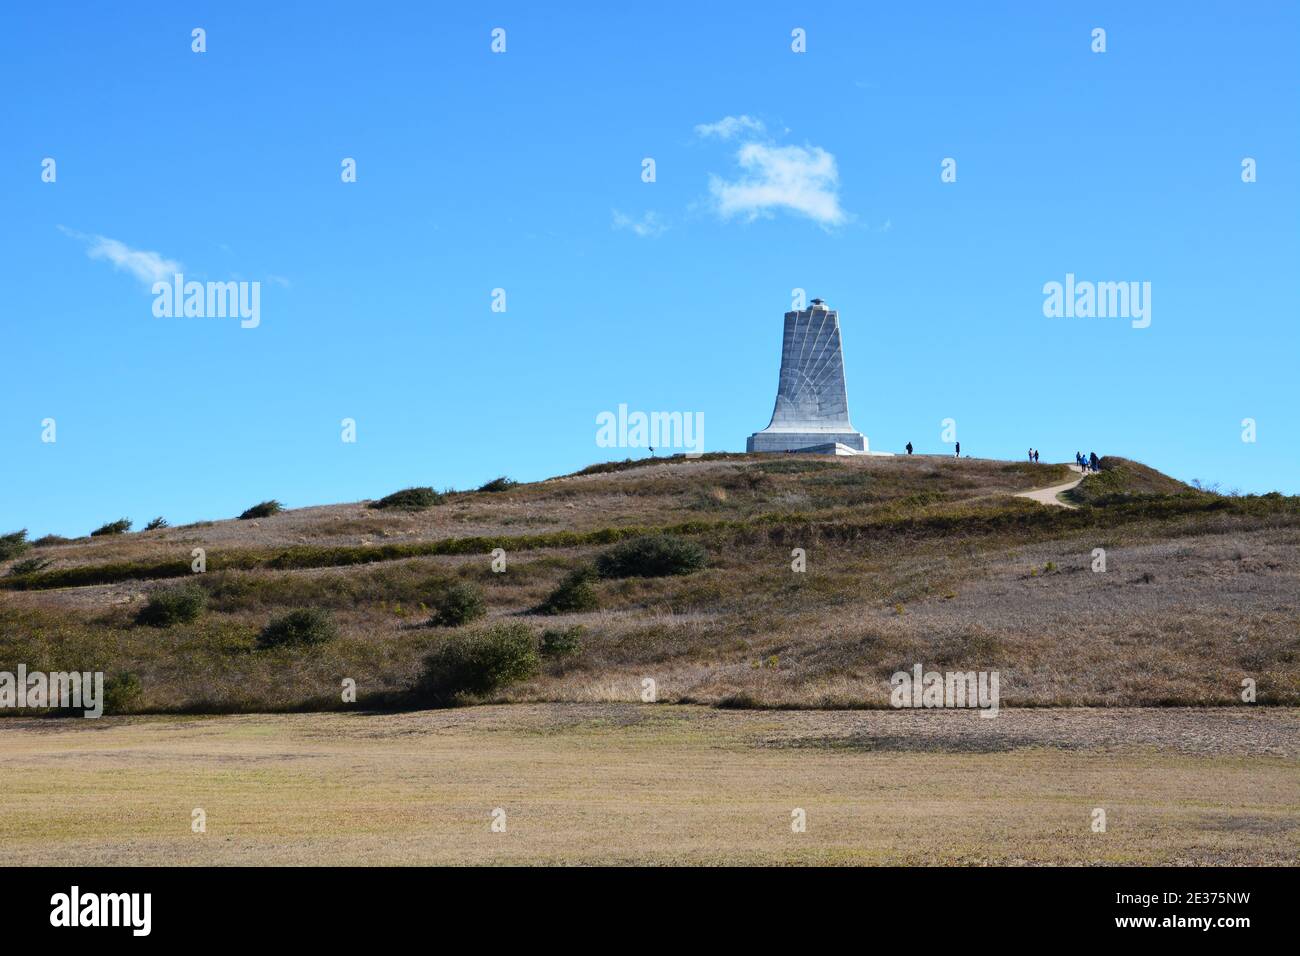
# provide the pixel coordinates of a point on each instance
(811, 391)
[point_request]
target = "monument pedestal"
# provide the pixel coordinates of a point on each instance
(855, 443)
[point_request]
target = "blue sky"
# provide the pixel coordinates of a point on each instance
(523, 171)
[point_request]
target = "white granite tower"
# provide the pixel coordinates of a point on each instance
(812, 404)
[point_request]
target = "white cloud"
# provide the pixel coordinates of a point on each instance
(649, 226)
(148, 267)
(729, 126)
(801, 179)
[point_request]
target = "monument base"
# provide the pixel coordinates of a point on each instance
(826, 443)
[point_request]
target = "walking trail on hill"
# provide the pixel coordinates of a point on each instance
(1048, 496)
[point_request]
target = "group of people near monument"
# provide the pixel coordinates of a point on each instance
(1088, 462)
(956, 455)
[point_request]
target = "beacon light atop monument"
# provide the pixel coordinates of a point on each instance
(812, 404)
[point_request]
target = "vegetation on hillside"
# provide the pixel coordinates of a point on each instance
(13, 544)
(478, 663)
(498, 484)
(264, 509)
(304, 627)
(410, 499)
(651, 556)
(28, 566)
(456, 604)
(574, 594)
(176, 605)
(904, 561)
(1120, 480)
(120, 526)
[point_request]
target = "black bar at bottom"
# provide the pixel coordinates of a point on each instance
(332, 905)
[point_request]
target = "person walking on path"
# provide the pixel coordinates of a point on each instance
(909, 448)
(1094, 461)
(958, 449)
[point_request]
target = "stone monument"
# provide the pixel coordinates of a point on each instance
(812, 404)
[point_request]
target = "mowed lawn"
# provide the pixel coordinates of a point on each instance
(659, 784)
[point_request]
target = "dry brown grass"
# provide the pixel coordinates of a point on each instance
(654, 494)
(1190, 605)
(656, 784)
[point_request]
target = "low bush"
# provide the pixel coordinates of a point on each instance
(49, 540)
(178, 605)
(479, 663)
(410, 499)
(263, 510)
(156, 523)
(499, 484)
(28, 566)
(457, 604)
(301, 628)
(561, 642)
(120, 526)
(13, 544)
(122, 693)
(573, 594)
(651, 556)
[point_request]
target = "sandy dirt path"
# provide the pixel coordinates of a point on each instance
(1048, 496)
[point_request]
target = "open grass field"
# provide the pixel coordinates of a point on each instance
(659, 784)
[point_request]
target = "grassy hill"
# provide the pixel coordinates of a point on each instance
(907, 560)
(1121, 480)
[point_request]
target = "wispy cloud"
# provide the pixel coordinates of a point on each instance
(800, 179)
(649, 226)
(148, 267)
(729, 126)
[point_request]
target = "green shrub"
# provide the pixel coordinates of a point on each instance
(411, 499)
(120, 526)
(651, 556)
(122, 693)
(28, 566)
(263, 510)
(573, 594)
(480, 663)
(499, 484)
(457, 604)
(560, 642)
(301, 628)
(178, 605)
(50, 540)
(13, 544)
(156, 523)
